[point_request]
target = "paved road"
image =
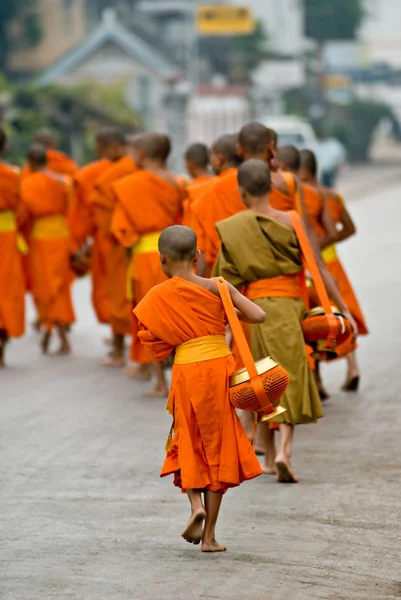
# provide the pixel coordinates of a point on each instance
(84, 515)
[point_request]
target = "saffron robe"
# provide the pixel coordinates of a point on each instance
(146, 204)
(12, 283)
(104, 203)
(256, 248)
(210, 449)
(194, 191)
(46, 197)
(82, 226)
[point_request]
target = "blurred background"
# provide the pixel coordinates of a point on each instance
(325, 74)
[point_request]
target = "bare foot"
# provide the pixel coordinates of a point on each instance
(112, 360)
(108, 341)
(284, 472)
(323, 394)
(157, 392)
(63, 350)
(36, 326)
(141, 372)
(351, 384)
(212, 546)
(193, 531)
(269, 470)
(44, 344)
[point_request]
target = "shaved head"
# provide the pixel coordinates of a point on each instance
(155, 146)
(226, 146)
(289, 157)
(254, 177)
(37, 156)
(45, 137)
(254, 139)
(110, 135)
(3, 140)
(198, 155)
(309, 162)
(178, 243)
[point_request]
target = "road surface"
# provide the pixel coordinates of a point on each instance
(84, 515)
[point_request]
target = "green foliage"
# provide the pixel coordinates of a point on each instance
(333, 19)
(29, 31)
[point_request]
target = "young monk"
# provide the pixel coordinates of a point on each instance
(46, 196)
(12, 284)
(103, 200)
(57, 161)
(260, 252)
(209, 452)
(147, 202)
(82, 226)
(345, 229)
(197, 163)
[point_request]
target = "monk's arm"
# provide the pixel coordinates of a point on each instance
(348, 226)
(122, 229)
(328, 225)
(158, 349)
(247, 311)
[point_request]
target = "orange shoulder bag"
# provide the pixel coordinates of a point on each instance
(324, 327)
(260, 385)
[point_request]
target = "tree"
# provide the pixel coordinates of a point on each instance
(333, 19)
(28, 31)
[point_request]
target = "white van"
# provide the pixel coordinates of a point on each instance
(292, 130)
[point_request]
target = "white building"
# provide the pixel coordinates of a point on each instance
(381, 32)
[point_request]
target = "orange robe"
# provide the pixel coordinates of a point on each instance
(210, 449)
(46, 197)
(336, 206)
(82, 225)
(314, 207)
(104, 202)
(146, 204)
(194, 191)
(12, 284)
(58, 162)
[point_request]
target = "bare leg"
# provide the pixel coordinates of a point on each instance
(283, 459)
(3, 342)
(247, 418)
(193, 531)
(352, 382)
(319, 384)
(161, 388)
(45, 341)
(212, 504)
(141, 372)
(115, 358)
(65, 347)
(270, 454)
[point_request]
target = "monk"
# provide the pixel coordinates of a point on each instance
(120, 154)
(222, 200)
(12, 285)
(46, 196)
(345, 229)
(197, 163)
(147, 202)
(57, 161)
(260, 252)
(82, 226)
(209, 451)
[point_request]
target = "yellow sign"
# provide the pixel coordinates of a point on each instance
(336, 81)
(224, 19)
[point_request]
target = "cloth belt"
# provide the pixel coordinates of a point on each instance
(202, 348)
(50, 227)
(329, 254)
(8, 223)
(283, 286)
(147, 243)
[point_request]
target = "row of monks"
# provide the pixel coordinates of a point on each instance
(56, 219)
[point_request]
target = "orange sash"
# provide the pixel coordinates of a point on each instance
(283, 286)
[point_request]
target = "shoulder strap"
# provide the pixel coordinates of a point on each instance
(245, 353)
(314, 271)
